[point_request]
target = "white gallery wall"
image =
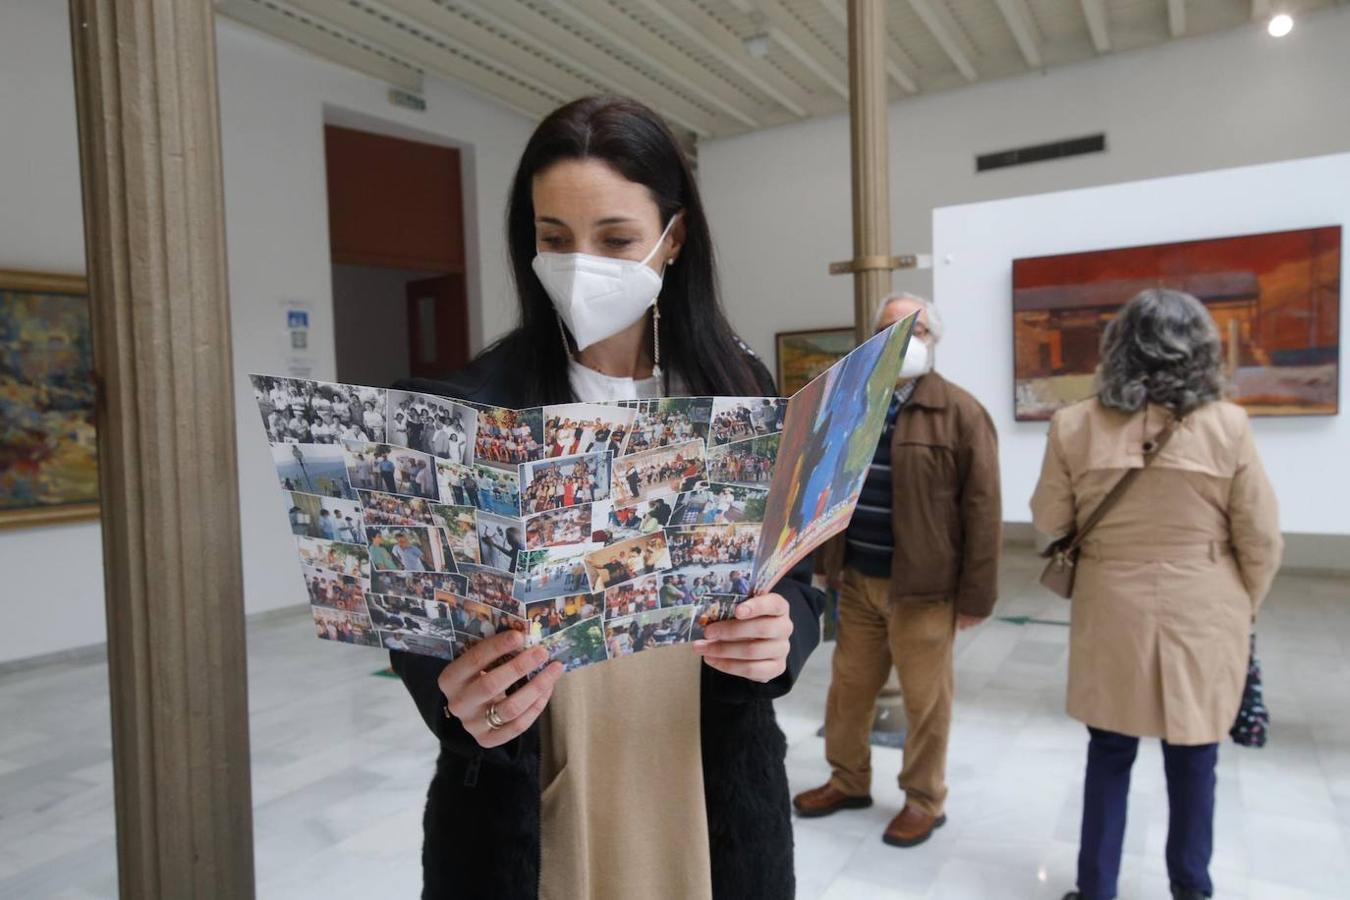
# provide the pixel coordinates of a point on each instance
(779, 200)
(975, 245)
(274, 103)
(42, 228)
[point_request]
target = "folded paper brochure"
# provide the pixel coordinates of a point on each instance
(426, 523)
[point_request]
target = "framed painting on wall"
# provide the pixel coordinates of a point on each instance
(48, 451)
(1275, 298)
(802, 355)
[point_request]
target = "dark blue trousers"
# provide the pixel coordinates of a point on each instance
(1190, 796)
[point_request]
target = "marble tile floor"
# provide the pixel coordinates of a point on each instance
(341, 761)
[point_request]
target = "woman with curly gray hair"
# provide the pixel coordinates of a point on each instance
(1169, 579)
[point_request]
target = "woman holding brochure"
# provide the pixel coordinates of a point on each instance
(549, 791)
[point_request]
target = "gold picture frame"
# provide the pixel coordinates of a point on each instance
(62, 368)
(802, 355)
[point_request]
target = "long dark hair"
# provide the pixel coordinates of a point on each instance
(697, 343)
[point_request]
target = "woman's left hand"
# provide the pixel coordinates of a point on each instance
(754, 644)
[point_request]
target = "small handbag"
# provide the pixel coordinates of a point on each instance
(1062, 569)
(1252, 726)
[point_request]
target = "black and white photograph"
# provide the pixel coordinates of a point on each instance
(561, 483)
(393, 470)
(634, 597)
(553, 572)
(492, 587)
(408, 549)
(459, 525)
(296, 411)
(562, 526)
(576, 647)
(420, 585)
(421, 644)
(500, 542)
(548, 617)
(611, 523)
(395, 509)
(331, 518)
(344, 627)
(670, 420)
(312, 469)
(647, 630)
(572, 429)
(720, 504)
(335, 556)
(661, 470)
(336, 591)
(508, 437)
(749, 462)
(713, 608)
(443, 428)
(739, 418)
(627, 560)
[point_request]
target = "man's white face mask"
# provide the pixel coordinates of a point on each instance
(918, 359)
(597, 296)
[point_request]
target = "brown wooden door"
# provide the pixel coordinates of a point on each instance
(438, 326)
(393, 202)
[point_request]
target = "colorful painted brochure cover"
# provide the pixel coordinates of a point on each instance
(425, 523)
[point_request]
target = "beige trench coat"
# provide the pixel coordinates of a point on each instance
(1170, 580)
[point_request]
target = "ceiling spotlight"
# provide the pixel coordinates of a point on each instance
(757, 45)
(1280, 25)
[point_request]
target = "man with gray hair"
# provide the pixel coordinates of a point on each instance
(918, 562)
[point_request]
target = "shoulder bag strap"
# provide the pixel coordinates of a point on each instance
(1151, 451)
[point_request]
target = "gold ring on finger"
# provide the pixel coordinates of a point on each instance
(493, 718)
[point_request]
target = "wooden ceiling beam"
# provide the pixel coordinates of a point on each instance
(945, 31)
(307, 34)
(899, 66)
(1017, 15)
(694, 24)
(613, 25)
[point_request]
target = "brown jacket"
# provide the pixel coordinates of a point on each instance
(946, 506)
(1171, 578)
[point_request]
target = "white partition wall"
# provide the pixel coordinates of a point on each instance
(974, 245)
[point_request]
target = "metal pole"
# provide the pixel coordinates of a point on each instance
(870, 146)
(149, 127)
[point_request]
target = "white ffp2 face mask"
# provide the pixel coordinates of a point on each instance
(597, 296)
(918, 359)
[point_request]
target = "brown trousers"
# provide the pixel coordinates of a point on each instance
(918, 638)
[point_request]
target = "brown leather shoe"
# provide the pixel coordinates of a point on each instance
(911, 827)
(825, 799)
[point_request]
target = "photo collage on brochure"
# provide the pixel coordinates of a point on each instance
(426, 524)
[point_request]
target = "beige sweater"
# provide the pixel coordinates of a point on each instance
(621, 770)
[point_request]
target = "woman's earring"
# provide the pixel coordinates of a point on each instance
(656, 339)
(562, 332)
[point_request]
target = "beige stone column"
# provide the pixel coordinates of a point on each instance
(145, 84)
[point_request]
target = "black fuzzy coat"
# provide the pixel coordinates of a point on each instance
(481, 826)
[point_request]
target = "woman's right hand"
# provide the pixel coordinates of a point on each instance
(471, 688)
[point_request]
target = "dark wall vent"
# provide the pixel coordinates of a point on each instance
(1095, 143)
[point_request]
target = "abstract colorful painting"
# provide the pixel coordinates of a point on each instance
(1275, 298)
(802, 355)
(48, 455)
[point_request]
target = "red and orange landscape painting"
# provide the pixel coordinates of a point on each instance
(1275, 298)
